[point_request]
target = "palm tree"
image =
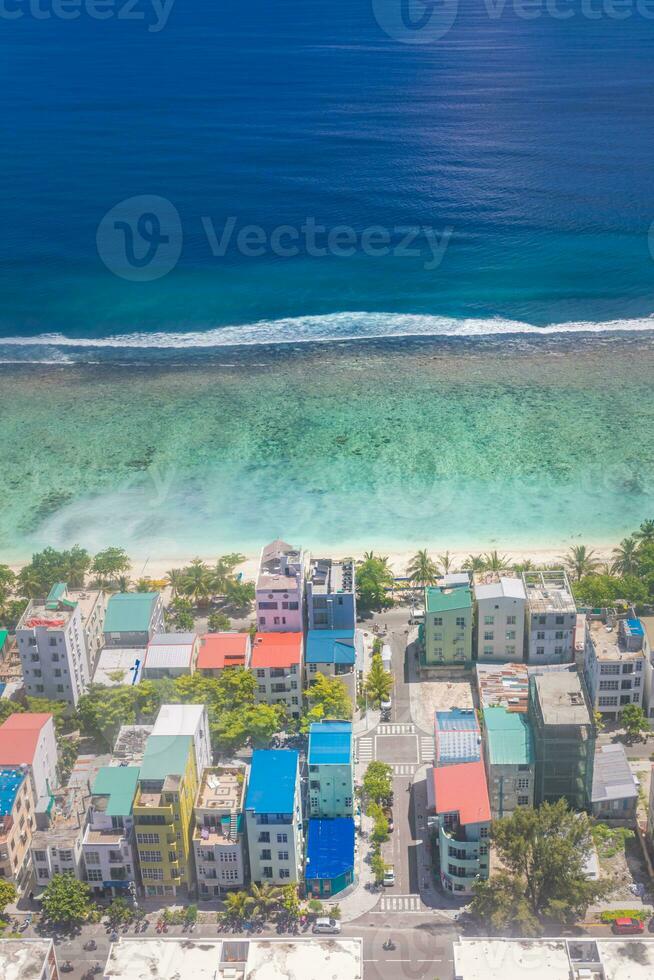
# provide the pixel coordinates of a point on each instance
(224, 570)
(265, 899)
(474, 563)
(237, 906)
(445, 561)
(123, 583)
(198, 582)
(175, 580)
(580, 561)
(645, 533)
(494, 562)
(421, 569)
(626, 557)
(523, 566)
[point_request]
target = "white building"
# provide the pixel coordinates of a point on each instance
(28, 959)
(187, 719)
(551, 617)
(170, 655)
(501, 604)
(554, 959)
(108, 845)
(280, 588)
(273, 815)
(615, 664)
(52, 638)
(219, 835)
(28, 739)
(57, 846)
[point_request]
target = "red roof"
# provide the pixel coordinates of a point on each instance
(218, 650)
(19, 737)
(276, 650)
(462, 789)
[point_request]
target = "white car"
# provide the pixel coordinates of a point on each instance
(326, 926)
(389, 877)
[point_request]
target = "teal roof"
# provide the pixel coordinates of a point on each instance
(330, 743)
(3, 637)
(130, 612)
(57, 592)
(442, 600)
(119, 784)
(509, 738)
(330, 647)
(165, 755)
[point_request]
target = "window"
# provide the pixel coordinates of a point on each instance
(264, 837)
(438, 652)
(42, 856)
(488, 635)
(40, 688)
(483, 831)
(438, 620)
(92, 857)
(459, 653)
(488, 650)
(609, 668)
(94, 874)
(266, 854)
(510, 620)
(540, 635)
(489, 620)
(152, 874)
(558, 635)
(523, 801)
(558, 651)
(37, 672)
(150, 857)
(510, 634)
(147, 838)
(53, 641)
(261, 673)
(282, 838)
(460, 622)
(60, 688)
(284, 873)
(510, 651)
(609, 685)
(267, 872)
(523, 783)
(608, 701)
(282, 855)
(540, 651)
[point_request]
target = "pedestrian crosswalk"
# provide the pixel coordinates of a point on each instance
(400, 903)
(366, 750)
(403, 768)
(426, 748)
(406, 729)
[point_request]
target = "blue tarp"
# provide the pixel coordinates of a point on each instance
(330, 848)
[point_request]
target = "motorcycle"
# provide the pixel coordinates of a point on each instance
(389, 944)
(90, 945)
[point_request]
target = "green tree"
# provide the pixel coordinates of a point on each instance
(218, 622)
(66, 901)
(327, 697)
(7, 580)
(645, 533)
(8, 895)
(603, 591)
(494, 562)
(110, 563)
(501, 905)
(67, 751)
(175, 579)
(179, 615)
(290, 902)
(198, 582)
(625, 557)
(119, 911)
(634, 721)
(8, 707)
(378, 683)
(223, 572)
(422, 569)
(63, 720)
(377, 784)
(238, 906)
(581, 561)
(266, 899)
(102, 711)
(239, 595)
(544, 852)
(378, 866)
(474, 563)
(445, 562)
(374, 580)
(380, 823)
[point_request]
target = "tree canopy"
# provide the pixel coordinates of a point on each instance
(66, 900)
(374, 580)
(378, 683)
(327, 697)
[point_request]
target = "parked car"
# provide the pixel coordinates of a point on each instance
(326, 927)
(389, 877)
(628, 926)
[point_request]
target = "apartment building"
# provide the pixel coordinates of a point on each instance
(510, 761)
(578, 958)
(163, 815)
(28, 959)
(551, 617)
(280, 588)
(276, 662)
(331, 769)
(218, 651)
(615, 663)
(56, 846)
(133, 618)
(27, 740)
(446, 633)
(331, 595)
(17, 823)
(273, 817)
(501, 602)
(58, 643)
(334, 653)
(187, 720)
(219, 835)
(459, 808)
(108, 846)
(170, 655)
(564, 738)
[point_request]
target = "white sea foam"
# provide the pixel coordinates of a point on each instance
(331, 327)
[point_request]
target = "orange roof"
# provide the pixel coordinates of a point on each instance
(276, 650)
(19, 737)
(462, 789)
(218, 650)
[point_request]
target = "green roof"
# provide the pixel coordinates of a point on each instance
(165, 755)
(130, 612)
(509, 737)
(441, 600)
(119, 784)
(3, 637)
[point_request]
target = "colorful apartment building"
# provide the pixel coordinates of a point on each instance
(219, 835)
(331, 595)
(163, 815)
(187, 719)
(615, 664)
(331, 769)
(510, 760)
(280, 588)
(218, 651)
(27, 739)
(17, 823)
(333, 653)
(458, 806)
(501, 602)
(273, 816)
(133, 618)
(108, 847)
(446, 633)
(551, 617)
(276, 662)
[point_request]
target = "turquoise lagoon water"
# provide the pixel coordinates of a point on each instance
(516, 443)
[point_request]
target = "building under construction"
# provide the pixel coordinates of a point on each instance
(564, 738)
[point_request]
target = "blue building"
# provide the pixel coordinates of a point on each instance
(331, 770)
(330, 856)
(335, 654)
(331, 597)
(273, 817)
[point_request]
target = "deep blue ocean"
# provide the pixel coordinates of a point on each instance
(523, 145)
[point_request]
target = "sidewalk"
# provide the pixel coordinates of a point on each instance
(360, 898)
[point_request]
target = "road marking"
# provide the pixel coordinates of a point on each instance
(400, 903)
(365, 747)
(396, 730)
(403, 768)
(426, 748)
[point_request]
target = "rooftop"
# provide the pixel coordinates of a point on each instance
(330, 743)
(503, 685)
(67, 819)
(273, 776)
(281, 566)
(214, 959)
(165, 755)
(448, 599)
(553, 959)
(19, 737)
(173, 639)
(458, 738)
(24, 959)
(179, 719)
(276, 650)
(330, 647)
(119, 665)
(462, 789)
(612, 775)
(221, 788)
(330, 847)
(220, 650)
(130, 743)
(173, 656)
(328, 576)
(10, 783)
(611, 641)
(118, 784)
(130, 612)
(492, 585)
(549, 592)
(55, 613)
(561, 698)
(509, 738)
